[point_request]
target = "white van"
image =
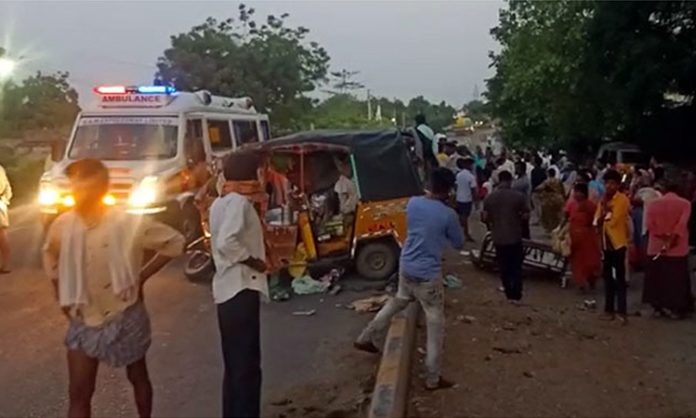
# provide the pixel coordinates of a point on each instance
(160, 146)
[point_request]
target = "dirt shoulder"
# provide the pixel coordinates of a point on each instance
(554, 358)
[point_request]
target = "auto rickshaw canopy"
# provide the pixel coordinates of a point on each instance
(381, 162)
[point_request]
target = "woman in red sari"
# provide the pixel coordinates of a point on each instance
(585, 260)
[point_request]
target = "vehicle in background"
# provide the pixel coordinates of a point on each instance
(624, 155)
(160, 146)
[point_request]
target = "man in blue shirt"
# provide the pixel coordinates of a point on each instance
(432, 225)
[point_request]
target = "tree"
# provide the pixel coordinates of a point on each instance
(270, 62)
(534, 91)
(344, 111)
(438, 116)
(41, 101)
(477, 110)
(575, 73)
(342, 81)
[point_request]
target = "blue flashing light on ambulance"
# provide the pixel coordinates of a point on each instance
(160, 146)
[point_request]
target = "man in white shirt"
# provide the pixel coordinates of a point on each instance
(240, 280)
(466, 192)
(5, 197)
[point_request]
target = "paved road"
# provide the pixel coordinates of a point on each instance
(185, 359)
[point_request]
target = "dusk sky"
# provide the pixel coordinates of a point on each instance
(438, 49)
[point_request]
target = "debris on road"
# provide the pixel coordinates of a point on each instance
(528, 374)
(336, 289)
(467, 319)
(305, 313)
(515, 348)
(281, 402)
(452, 282)
(371, 304)
(306, 285)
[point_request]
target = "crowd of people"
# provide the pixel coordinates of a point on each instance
(616, 219)
(613, 216)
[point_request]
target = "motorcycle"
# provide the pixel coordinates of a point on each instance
(199, 265)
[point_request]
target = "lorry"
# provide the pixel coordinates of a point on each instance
(160, 146)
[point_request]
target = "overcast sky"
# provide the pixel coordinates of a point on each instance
(403, 49)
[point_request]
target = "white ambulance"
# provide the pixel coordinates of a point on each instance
(160, 146)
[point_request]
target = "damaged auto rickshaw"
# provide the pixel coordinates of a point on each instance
(336, 199)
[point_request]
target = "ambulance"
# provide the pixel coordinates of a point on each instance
(160, 146)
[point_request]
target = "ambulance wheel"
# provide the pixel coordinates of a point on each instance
(199, 266)
(377, 260)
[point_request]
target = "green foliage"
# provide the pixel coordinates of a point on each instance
(343, 111)
(477, 110)
(438, 116)
(342, 81)
(572, 73)
(41, 101)
(270, 62)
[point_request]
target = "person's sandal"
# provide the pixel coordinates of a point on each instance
(442, 383)
(367, 347)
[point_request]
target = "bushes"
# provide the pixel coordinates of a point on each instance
(24, 174)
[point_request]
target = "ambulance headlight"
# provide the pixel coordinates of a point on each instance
(48, 195)
(144, 194)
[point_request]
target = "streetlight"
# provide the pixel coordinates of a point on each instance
(7, 67)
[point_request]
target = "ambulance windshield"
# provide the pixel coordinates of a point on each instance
(125, 138)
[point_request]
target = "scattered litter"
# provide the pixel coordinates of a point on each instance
(421, 351)
(306, 285)
(465, 253)
(590, 304)
(514, 348)
(528, 374)
(452, 282)
(281, 402)
(332, 276)
(336, 289)
(305, 313)
(371, 304)
(277, 291)
(509, 326)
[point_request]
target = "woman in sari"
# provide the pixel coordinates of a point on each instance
(585, 260)
(552, 198)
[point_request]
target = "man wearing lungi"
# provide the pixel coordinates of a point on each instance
(94, 255)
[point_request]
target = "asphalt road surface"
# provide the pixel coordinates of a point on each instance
(185, 363)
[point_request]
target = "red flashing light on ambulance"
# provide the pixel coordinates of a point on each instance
(135, 89)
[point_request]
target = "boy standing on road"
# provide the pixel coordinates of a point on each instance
(93, 254)
(5, 197)
(432, 225)
(466, 190)
(612, 218)
(240, 279)
(506, 211)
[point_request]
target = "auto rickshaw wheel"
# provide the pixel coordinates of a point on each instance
(377, 260)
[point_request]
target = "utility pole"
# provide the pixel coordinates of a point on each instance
(369, 106)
